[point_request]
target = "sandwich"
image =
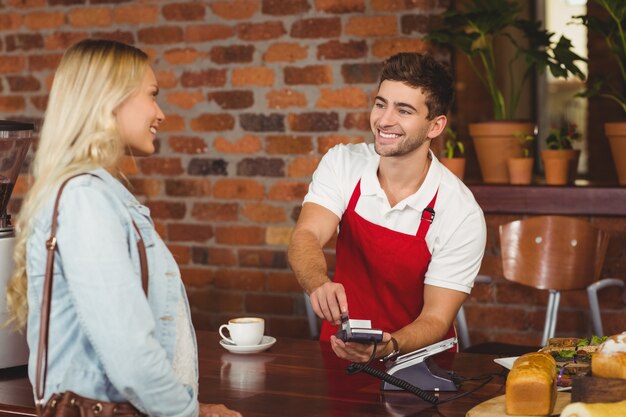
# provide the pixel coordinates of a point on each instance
(572, 356)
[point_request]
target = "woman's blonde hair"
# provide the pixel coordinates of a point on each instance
(79, 133)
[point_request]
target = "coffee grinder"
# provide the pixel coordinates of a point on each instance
(15, 138)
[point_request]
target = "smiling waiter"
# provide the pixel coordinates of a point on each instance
(411, 236)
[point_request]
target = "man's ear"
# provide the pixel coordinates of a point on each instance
(437, 126)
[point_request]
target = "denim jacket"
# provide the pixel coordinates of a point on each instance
(106, 340)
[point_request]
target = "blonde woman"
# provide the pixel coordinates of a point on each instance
(106, 340)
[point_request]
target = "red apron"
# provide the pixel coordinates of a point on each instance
(381, 270)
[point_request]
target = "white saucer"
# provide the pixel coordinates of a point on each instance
(266, 343)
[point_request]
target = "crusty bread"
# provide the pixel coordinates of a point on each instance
(531, 385)
(595, 410)
(610, 359)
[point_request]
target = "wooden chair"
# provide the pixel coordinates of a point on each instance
(556, 253)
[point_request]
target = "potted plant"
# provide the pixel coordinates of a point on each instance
(612, 28)
(560, 159)
(474, 30)
(453, 156)
(521, 168)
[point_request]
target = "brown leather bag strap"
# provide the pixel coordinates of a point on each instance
(42, 353)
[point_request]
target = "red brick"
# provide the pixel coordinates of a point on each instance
(215, 212)
(10, 21)
(235, 99)
(285, 52)
(264, 213)
(361, 73)
(196, 277)
(285, 7)
(188, 187)
(262, 258)
(324, 143)
(314, 122)
(260, 31)
(387, 47)
(181, 56)
(43, 62)
(205, 33)
(187, 144)
(240, 235)
(340, 6)
(358, 121)
(185, 99)
(245, 144)
(166, 209)
(342, 50)
(90, 17)
(12, 104)
(147, 187)
(63, 40)
(124, 37)
(183, 12)
(221, 257)
(235, 9)
(288, 191)
(303, 166)
(399, 5)
(135, 14)
(239, 279)
(189, 232)
(281, 99)
(313, 28)
(160, 35)
(172, 123)
(10, 64)
(128, 165)
(213, 122)
(181, 253)
(44, 20)
(372, 26)
(226, 304)
(349, 97)
(411, 24)
(23, 83)
(269, 304)
(290, 326)
(163, 166)
(233, 188)
(166, 78)
(39, 102)
(25, 3)
(312, 74)
(208, 77)
(283, 281)
(288, 144)
(252, 76)
(232, 54)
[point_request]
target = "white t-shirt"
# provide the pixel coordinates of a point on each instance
(456, 238)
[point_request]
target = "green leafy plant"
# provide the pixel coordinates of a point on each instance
(612, 30)
(563, 137)
(452, 144)
(526, 140)
(475, 30)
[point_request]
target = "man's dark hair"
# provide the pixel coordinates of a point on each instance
(422, 71)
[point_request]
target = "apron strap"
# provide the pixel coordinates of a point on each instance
(428, 215)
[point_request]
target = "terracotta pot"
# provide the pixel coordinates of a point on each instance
(616, 132)
(495, 143)
(520, 170)
(456, 165)
(560, 165)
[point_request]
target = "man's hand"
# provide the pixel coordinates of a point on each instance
(358, 352)
(217, 410)
(329, 301)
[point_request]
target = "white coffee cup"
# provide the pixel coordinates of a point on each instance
(244, 331)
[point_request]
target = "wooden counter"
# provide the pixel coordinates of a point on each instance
(296, 377)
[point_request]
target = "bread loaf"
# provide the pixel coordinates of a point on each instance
(595, 410)
(610, 360)
(531, 385)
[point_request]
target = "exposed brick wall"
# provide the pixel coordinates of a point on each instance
(255, 92)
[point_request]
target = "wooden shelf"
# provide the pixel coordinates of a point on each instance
(584, 199)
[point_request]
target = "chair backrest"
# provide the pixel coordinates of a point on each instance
(552, 252)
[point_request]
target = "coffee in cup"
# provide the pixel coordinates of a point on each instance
(244, 331)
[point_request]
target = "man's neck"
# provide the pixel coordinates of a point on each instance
(400, 177)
